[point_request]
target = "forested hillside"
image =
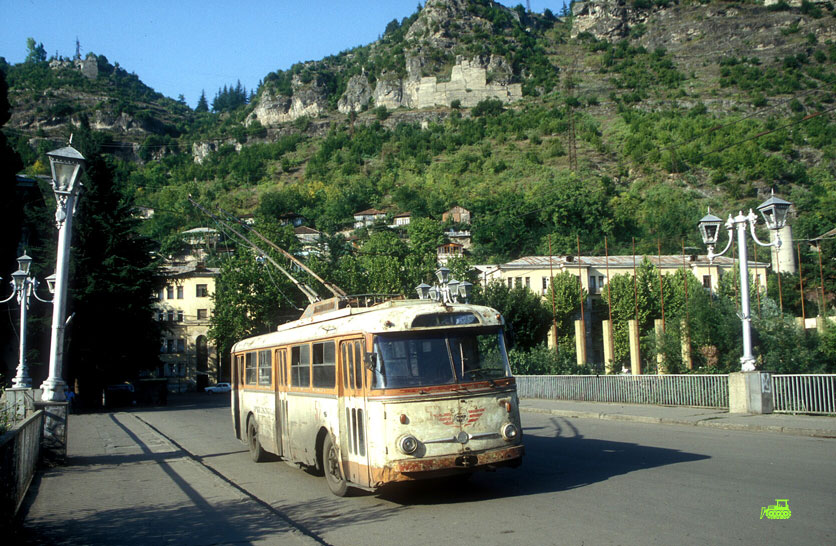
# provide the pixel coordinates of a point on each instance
(633, 117)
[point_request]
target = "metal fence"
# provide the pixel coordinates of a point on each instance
(804, 393)
(702, 391)
(19, 452)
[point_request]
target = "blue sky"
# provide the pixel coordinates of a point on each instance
(185, 46)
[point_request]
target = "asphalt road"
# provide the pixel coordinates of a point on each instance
(584, 481)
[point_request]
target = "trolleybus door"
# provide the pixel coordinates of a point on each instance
(237, 364)
(353, 438)
(282, 431)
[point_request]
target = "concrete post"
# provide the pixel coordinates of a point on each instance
(609, 350)
(686, 346)
(635, 354)
(552, 337)
(801, 324)
(820, 324)
(19, 402)
(751, 392)
(580, 341)
(659, 328)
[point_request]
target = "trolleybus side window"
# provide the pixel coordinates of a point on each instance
(265, 368)
(324, 365)
(250, 370)
(281, 362)
(300, 366)
(358, 366)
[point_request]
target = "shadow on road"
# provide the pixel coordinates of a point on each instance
(566, 460)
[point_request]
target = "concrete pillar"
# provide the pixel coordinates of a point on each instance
(580, 342)
(801, 324)
(19, 402)
(820, 324)
(686, 345)
(660, 357)
(552, 337)
(609, 350)
(783, 258)
(635, 354)
(751, 392)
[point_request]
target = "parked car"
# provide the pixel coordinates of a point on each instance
(119, 394)
(220, 387)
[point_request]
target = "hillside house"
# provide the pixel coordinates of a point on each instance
(459, 215)
(367, 217)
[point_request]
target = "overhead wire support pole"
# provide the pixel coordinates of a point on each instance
(334, 289)
(312, 296)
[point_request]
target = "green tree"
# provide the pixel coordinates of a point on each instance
(35, 52)
(526, 315)
(567, 295)
(251, 297)
(114, 280)
(202, 103)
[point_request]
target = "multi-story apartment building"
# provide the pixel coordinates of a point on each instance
(184, 306)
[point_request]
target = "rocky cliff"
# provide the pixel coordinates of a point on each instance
(422, 80)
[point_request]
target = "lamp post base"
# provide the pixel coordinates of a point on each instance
(22, 381)
(747, 364)
(54, 390)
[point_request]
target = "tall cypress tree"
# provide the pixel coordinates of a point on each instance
(113, 283)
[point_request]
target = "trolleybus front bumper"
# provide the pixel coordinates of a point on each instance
(412, 469)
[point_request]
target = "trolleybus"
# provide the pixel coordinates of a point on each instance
(398, 391)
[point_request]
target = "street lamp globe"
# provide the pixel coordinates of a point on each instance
(710, 228)
(24, 263)
(423, 291)
(774, 211)
(66, 164)
(19, 277)
(50, 283)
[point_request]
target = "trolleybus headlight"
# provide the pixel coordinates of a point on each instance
(510, 431)
(408, 444)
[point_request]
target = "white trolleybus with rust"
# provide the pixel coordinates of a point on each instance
(398, 391)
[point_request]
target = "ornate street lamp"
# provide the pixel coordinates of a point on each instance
(447, 290)
(23, 286)
(67, 164)
(774, 212)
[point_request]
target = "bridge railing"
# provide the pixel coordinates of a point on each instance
(804, 393)
(19, 453)
(703, 391)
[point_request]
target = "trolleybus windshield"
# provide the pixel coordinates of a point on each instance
(439, 358)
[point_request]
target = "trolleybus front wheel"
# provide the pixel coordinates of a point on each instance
(331, 464)
(257, 452)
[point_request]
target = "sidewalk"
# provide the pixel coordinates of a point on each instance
(799, 425)
(123, 483)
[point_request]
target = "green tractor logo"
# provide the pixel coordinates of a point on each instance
(779, 510)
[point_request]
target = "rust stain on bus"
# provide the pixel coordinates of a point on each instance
(401, 470)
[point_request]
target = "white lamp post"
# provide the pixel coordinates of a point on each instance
(446, 291)
(67, 164)
(774, 212)
(23, 286)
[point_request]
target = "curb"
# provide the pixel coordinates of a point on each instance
(708, 423)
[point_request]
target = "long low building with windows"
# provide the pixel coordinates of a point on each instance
(534, 272)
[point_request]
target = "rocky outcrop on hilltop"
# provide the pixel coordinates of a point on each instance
(423, 81)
